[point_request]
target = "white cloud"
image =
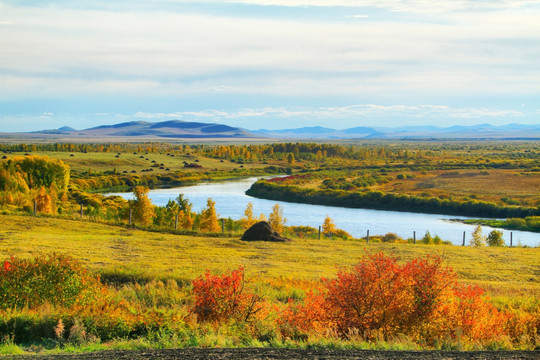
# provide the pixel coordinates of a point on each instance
(365, 111)
(445, 50)
(419, 6)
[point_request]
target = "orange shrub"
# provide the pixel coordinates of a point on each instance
(379, 298)
(220, 298)
(470, 316)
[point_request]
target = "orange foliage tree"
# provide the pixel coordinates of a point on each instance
(44, 202)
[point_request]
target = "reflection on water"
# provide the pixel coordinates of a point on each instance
(231, 201)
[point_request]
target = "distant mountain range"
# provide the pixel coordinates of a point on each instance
(483, 131)
(177, 129)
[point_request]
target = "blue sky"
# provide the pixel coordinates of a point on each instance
(269, 63)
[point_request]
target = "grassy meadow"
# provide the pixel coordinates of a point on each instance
(100, 162)
(128, 254)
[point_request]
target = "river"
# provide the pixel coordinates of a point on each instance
(231, 201)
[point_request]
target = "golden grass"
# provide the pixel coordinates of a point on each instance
(102, 248)
(103, 161)
(488, 185)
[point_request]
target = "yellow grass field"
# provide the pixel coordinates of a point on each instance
(503, 272)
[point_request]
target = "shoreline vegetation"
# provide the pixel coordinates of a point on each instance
(529, 223)
(380, 201)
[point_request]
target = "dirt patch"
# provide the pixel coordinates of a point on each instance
(286, 354)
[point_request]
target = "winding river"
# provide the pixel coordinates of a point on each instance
(231, 201)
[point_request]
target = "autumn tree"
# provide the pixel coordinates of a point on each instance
(328, 226)
(478, 239)
(290, 159)
(44, 202)
(185, 218)
(183, 203)
(276, 218)
(167, 215)
(42, 171)
(495, 238)
(319, 155)
(143, 210)
(209, 218)
(249, 219)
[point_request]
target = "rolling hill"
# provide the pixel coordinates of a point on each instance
(164, 129)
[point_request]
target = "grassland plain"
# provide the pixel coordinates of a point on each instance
(124, 254)
(144, 268)
(108, 161)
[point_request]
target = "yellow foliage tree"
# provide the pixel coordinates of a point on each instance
(290, 159)
(248, 220)
(185, 220)
(209, 217)
(143, 210)
(276, 218)
(44, 202)
(328, 226)
(319, 155)
(478, 239)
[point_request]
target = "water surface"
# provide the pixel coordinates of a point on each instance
(231, 201)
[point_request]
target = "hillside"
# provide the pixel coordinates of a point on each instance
(143, 129)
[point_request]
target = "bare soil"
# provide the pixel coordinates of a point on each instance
(285, 354)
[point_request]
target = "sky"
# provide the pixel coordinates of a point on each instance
(269, 64)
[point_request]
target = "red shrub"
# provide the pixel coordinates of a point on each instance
(223, 297)
(380, 298)
(372, 296)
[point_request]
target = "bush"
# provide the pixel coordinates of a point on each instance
(379, 298)
(220, 298)
(391, 237)
(495, 238)
(56, 279)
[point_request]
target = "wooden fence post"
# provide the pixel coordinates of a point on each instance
(511, 239)
(176, 222)
(319, 232)
(414, 237)
(82, 211)
(35, 207)
(130, 215)
(367, 237)
(463, 239)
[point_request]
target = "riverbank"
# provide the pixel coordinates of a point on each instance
(381, 201)
(530, 223)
